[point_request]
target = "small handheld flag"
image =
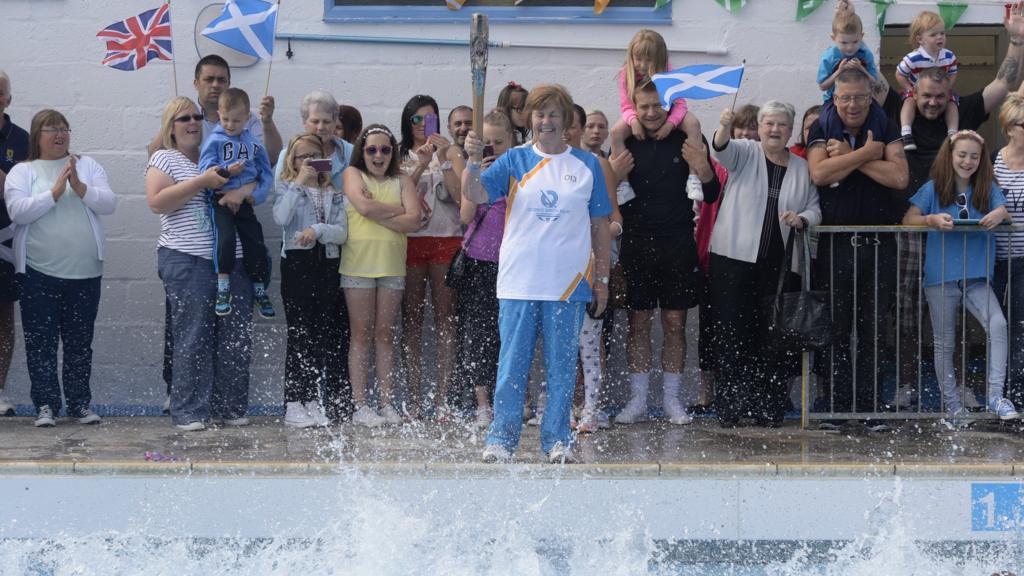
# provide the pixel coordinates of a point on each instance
(247, 26)
(697, 82)
(134, 41)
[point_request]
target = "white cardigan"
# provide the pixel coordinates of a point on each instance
(24, 208)
(737, 232)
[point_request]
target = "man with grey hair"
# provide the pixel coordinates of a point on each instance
(860, 177)
(13, 149)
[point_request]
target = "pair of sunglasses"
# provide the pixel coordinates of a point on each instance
(961, 202)
(187, 117)
(373, 150)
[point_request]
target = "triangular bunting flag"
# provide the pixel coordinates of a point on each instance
(804, 8)
(881, 7)
(600, 5)
(455, 4)
(661, 3)
(951, 13)
(733, 6)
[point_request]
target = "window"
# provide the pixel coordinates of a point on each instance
(528, 11)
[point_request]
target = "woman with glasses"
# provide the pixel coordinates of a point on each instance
(768, 193)
(1008, 281)
(382, 208)
(435, 166)
(204, 385)
(312, 214)
(55, 201)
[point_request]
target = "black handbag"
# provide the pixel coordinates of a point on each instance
(457, 268)
(796, 321)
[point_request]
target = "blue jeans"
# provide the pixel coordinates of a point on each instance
(519, 322)
(211, 353)
(1008, 285)
(58, 310)
(943, 304)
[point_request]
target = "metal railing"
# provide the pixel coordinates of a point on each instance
(889, 327)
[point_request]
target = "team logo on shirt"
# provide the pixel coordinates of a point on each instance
(550, 211)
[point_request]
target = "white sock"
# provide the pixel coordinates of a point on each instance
(638, 383)
(905, 129)
(670, 386)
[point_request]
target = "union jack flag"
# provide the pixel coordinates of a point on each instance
(134, 41)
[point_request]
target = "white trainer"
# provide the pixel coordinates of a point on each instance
(317, 413)
(390, 415)
(297, 416)
(44, 418)
(365, 416)
(236, 422)
(694, 189)
(195, 426)
(494, 453)
(87, 416)
(561, 454)
(6, 407)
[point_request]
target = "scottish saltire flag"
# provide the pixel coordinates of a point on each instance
(455, 4)
(246, 26)
(134, 41)
(698, 82)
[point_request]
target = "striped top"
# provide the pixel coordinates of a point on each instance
(1012, 183)
(189, 228)
(918, 60)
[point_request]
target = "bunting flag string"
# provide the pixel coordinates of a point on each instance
(951, 13)
(805, 8)
(732, 6)
(881, 7)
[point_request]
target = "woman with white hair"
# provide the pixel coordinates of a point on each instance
(319, 112)
(769, 192)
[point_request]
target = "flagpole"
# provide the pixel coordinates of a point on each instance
(736, 94)
(270, 66)
(174, 61)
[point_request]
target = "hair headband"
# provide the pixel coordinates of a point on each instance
(966, 134)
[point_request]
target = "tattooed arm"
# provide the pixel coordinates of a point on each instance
(1009, 75)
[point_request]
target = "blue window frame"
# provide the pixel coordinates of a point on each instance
(534, 11)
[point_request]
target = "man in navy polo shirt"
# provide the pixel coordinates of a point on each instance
(13, 149)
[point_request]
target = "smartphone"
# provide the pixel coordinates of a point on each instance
(320, 164)
(488, 151)
(430, 125)
(966, 222)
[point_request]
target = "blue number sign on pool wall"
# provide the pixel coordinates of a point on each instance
(996, 507)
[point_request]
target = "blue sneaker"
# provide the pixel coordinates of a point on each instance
(264, 306)
(223, 304)
(1004, 409)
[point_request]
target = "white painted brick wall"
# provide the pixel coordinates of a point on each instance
(49, 49)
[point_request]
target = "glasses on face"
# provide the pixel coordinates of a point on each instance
(850, 98)
(301, 157)
(416, 119)
(56, 130)
(961, 202)
(517, 109)
(187, 117)
(373, 150)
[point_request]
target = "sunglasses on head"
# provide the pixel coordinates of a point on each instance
(373, 150)
(187, 117)
(961, 202)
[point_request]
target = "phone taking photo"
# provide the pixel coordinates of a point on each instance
(429, 125)
(320, 164)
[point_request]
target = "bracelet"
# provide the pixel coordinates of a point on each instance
(620, 227)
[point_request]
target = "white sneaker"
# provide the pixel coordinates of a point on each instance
(191, 426)
(167, 406)
(236, 422)
(483, 418)
(6, 407)
(538, 417)
(365, 416)
(632, 413)
(970, 400)
(694, 189)
(494, 453)
(297, 416)
(675, 412)
(1005, 409)
(560, 454)
(87, 416)
(44, 418)
(317, 413)
(390, 415)
(624, 192)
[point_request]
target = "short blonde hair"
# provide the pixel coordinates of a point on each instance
(924, 22)
(547, 94)
(1011, 112)
(176, 107)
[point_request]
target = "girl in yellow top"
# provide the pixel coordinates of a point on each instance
(382, 208)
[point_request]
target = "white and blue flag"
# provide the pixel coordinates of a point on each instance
(247, 26)
(697, 82)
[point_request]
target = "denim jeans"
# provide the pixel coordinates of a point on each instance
(1008, 285)
(59, 311)
(519, 322)
(943, 304)
(211, 353)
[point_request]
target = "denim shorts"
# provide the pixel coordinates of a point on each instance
(389, 282)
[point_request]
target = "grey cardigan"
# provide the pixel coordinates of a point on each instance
(737, 232)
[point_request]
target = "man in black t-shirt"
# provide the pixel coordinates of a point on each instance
(860, 177)
(659, 254)
(13, 149)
